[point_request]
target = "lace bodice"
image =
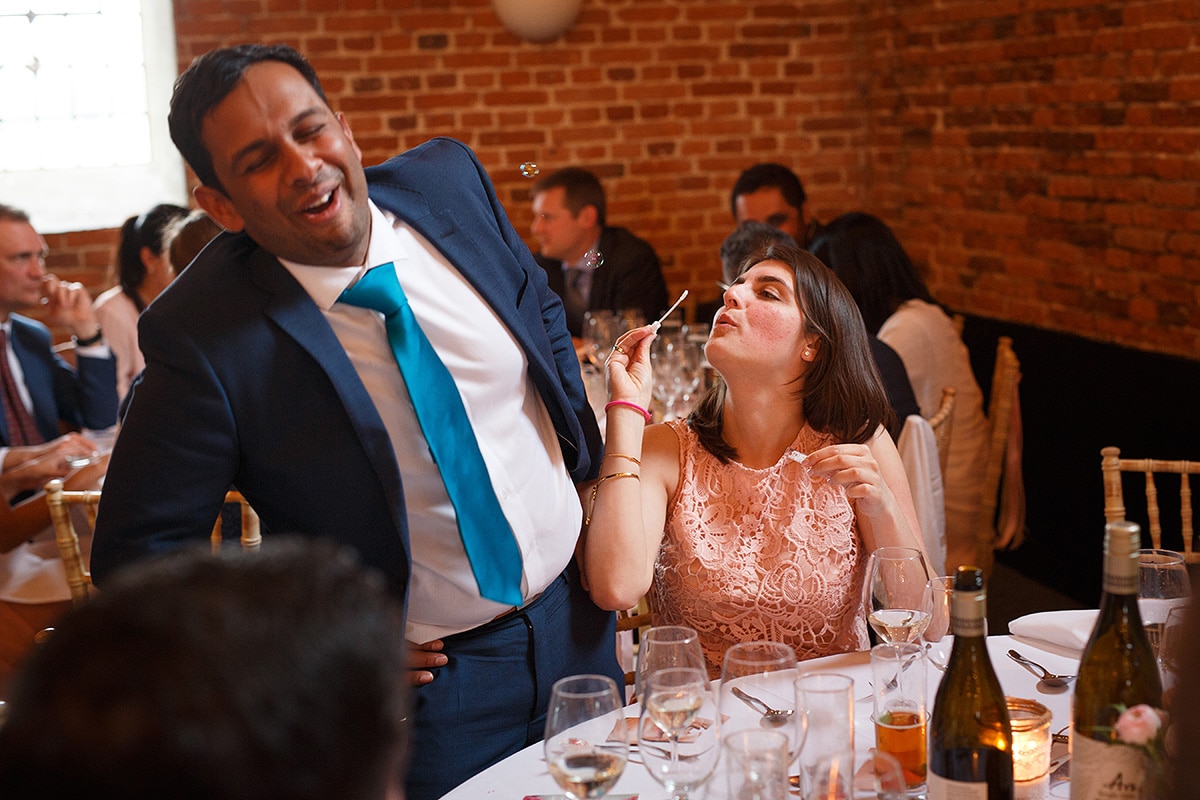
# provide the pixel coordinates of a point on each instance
(753, 554)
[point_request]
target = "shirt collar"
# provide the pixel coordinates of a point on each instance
(326, 284)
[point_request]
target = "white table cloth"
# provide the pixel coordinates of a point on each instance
(524, 773)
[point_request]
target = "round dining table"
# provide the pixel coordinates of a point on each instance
(524, 773)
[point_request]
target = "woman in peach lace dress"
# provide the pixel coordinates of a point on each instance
(753, 518)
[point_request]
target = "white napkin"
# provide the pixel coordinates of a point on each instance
(1062, 632)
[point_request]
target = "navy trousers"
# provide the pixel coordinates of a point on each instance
(489, 701)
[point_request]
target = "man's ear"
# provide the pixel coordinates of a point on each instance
(588, 216)
(218, 206)
(341, 118)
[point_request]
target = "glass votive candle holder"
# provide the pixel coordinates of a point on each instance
(1031, 738)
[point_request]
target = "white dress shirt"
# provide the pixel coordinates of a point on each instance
(515, 433)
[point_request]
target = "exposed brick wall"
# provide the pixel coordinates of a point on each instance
(1039, 157)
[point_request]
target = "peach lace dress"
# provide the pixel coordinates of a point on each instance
(753, 554)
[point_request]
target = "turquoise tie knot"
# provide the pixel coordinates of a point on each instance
(377, 290)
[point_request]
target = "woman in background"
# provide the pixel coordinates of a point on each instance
(898, 308)
(143, 270)
(753, 518)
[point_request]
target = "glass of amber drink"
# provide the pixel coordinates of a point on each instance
(898, 685)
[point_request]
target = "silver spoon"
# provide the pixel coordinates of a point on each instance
(771, 717)
(1047, 678)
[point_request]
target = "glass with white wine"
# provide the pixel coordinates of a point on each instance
(894, 594)
(586, 743)
(678, 732)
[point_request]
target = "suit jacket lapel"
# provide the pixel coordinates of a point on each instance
(293, 310)
(39, 379)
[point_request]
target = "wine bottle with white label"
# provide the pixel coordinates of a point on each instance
(970, 738)
(1117, 673)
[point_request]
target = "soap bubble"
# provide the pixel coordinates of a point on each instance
(593, 259)
(530, 169)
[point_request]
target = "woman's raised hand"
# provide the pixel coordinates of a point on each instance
(854, 467)
(630, 375)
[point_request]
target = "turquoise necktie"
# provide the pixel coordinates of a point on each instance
(486, 535)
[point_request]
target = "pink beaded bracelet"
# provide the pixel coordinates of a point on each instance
(628, 404)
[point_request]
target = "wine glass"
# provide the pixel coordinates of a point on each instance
(586, 745)
(601, 328)
(893, 594)
(679, 711)
(758, 690)
(1171, 650)
(677, 372)
(939, 592)
(666, 646)
(1162, 585)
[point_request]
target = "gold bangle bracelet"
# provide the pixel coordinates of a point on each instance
(622, 455)
(596, 488)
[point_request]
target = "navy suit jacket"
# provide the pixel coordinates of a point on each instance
(630, 276)
(82, 397)
(247, 385)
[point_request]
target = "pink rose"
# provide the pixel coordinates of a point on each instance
(1138, 725)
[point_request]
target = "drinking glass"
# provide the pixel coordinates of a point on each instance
(585, 745)
(900, 711)
(1163, 585)
(936, 602)
(894, 592)
(666, 646)
(828, 702)
(601, 328)
(1171, 649)
(677, 372)
(758, 690)
(756, 764)
(679, 730)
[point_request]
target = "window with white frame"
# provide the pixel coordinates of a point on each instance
(84, 91)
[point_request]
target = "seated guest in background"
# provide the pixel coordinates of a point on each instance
(753, 518)
(38, 465)
(265, 675)
(38, 390)
(143, 270)
(773, 194)
(188, 236)
(270, 366)
(749, 238)
(569, 213)
(898, 308)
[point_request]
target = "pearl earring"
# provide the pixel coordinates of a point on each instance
(807, 353)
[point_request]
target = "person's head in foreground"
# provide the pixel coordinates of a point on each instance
(270, 674)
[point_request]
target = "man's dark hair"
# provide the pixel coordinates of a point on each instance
(207, 82)
(761, 176)
(241, 676)
(13, 214)
(582, 189)
(749, 240)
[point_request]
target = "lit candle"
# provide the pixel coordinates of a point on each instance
(1031, 738)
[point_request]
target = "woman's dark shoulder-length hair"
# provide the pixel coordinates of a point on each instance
(868, 258)
(841, 392)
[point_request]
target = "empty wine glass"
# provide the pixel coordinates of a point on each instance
(601, 328)
(758, 690)
(679, 711)
(677, 372)
(1162, 585)
(894, 592)
(586, 744)
(936, 602)
(666, 646)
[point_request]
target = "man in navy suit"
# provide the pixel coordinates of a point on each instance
(257, 376)
(38, 390)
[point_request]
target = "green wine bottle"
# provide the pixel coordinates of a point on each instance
(970, 738)
(1117, 672)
